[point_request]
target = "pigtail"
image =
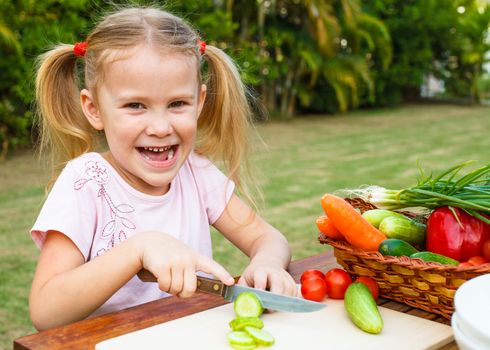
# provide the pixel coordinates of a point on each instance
(226, 121)
(64, 130)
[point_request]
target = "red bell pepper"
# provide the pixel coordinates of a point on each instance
(458, 240)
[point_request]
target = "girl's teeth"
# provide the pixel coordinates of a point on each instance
(157, 149)
(170, 154)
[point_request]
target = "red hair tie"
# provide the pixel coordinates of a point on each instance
(202, 46)
(80, 49)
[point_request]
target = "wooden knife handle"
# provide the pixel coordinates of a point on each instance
(207, 285)
(146, 276)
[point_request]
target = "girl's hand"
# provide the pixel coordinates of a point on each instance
(174, 264)
(265, 274)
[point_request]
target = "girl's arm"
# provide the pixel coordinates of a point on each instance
(65, 289)
(267, 248)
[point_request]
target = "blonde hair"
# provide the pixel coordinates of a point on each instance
(224, 123)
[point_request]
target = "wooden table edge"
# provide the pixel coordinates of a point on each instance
(87, 333)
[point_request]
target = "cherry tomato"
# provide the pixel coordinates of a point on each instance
(314, 288)
(337, 282)
(465, 264)
(311, 273)
(371, 284)
(477, 260)
(486, 249)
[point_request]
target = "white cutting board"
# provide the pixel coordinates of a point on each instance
(329, 328)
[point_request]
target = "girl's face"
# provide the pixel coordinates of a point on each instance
(148, 105)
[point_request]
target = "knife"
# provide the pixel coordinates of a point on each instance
(268, 300)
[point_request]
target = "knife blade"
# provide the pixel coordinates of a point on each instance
(269, 300)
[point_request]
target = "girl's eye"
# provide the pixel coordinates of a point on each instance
(177, 104)
(135, 105)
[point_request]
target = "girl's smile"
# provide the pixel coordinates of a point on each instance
(148, 104)
(158, 156)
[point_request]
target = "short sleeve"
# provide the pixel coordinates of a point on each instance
(68, 210)
(214, 187)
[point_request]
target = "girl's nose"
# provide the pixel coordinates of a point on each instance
(159, 125)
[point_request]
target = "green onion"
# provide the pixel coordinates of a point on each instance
(470, 192)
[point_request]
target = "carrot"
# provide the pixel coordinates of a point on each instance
(356, 230)
(326, 227)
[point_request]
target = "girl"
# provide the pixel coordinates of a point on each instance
(149, 200)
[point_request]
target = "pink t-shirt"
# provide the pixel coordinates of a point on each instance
(93, 206)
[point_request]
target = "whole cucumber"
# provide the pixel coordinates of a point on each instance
(375, 216)
(396, 247)
(362, 308)
(403, 228)
(434, 257)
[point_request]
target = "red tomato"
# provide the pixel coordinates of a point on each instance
(371, 284)
(477, 260)
(486, 249)
(311, 273)
(314, 288)
(465, 264)
(337, 282)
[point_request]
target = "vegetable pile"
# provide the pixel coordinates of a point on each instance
(457, 211)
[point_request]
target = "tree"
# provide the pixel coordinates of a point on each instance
(27, 32)
(440, 37)
(8, 42)
(300, 46)
(465, 66)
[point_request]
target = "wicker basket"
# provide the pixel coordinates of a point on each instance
(423, 285)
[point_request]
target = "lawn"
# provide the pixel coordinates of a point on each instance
(299, 161)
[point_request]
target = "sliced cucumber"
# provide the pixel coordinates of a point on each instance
(243, 347)
(260, 336)
(248, 304)
(240, 338)
(239, 323)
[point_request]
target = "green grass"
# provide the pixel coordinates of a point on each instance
(303, 159)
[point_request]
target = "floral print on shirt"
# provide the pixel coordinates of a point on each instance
(113, 231)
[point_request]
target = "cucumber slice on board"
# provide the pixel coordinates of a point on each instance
(248, 304)
(260, 336)
(244, 347)
(239, 323)
(240, 338)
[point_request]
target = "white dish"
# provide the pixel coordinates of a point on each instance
(472, 305)
(464, 341)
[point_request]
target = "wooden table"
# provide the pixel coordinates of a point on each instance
(85, 334)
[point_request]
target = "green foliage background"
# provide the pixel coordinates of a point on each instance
(299, 56)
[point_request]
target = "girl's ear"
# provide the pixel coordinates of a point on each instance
(202, 98)
(90, 110)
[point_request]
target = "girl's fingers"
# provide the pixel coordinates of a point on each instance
(260, 279)
(276, 283)
(190, 283)
(207, 265)
(290, 286)
(177, 280)
(293, 289)
(242, 281)
(164, 278)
